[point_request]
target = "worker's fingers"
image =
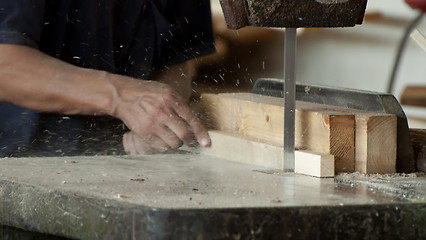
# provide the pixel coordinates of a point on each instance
(166, 138)
(134, 145)
(181, 129)
(170, 128)
(153, 110)
(147, 118)
(156, 142)
(198, 129)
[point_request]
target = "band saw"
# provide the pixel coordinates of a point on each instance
(322, 13)
(196, 196)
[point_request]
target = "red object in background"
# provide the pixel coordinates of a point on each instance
(420, 4)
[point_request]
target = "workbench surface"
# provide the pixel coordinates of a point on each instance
(191, 196)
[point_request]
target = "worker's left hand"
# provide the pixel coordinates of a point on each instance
(134, 145)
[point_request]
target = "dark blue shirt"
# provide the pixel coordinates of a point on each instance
(129, 37)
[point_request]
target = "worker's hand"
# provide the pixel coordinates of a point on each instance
(155, 113)
(134, 145)
(158, 117)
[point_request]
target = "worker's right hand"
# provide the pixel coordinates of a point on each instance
(158, 117)
(134, 145)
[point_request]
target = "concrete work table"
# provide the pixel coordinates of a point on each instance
(191, 196)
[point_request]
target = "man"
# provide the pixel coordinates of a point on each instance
(65, 63)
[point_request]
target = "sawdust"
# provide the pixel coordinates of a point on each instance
(408, 186)
(372, 177)
(138, 179)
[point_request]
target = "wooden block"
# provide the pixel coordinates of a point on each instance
(376, 141)
(314, 164)
(243, 149)
(318, 129)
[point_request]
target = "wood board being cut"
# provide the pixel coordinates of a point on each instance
(261, 117)
(319, 128)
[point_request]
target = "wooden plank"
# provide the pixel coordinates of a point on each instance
(261, 117)
(414, 96)
(376, 141)
(243, 149)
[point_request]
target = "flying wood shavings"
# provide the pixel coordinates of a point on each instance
(121, 196)
(138, 179)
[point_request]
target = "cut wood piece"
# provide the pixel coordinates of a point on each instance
(243, 149)
(327, 132)
(375, 143)
(261, 117)
(314, 164)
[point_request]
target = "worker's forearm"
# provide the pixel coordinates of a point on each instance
(156, 114)
(31, 79)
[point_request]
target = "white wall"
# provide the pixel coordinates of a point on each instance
(362, 57)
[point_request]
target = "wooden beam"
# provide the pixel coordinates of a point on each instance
(261, 117)
(376, 141)
(249, 150)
